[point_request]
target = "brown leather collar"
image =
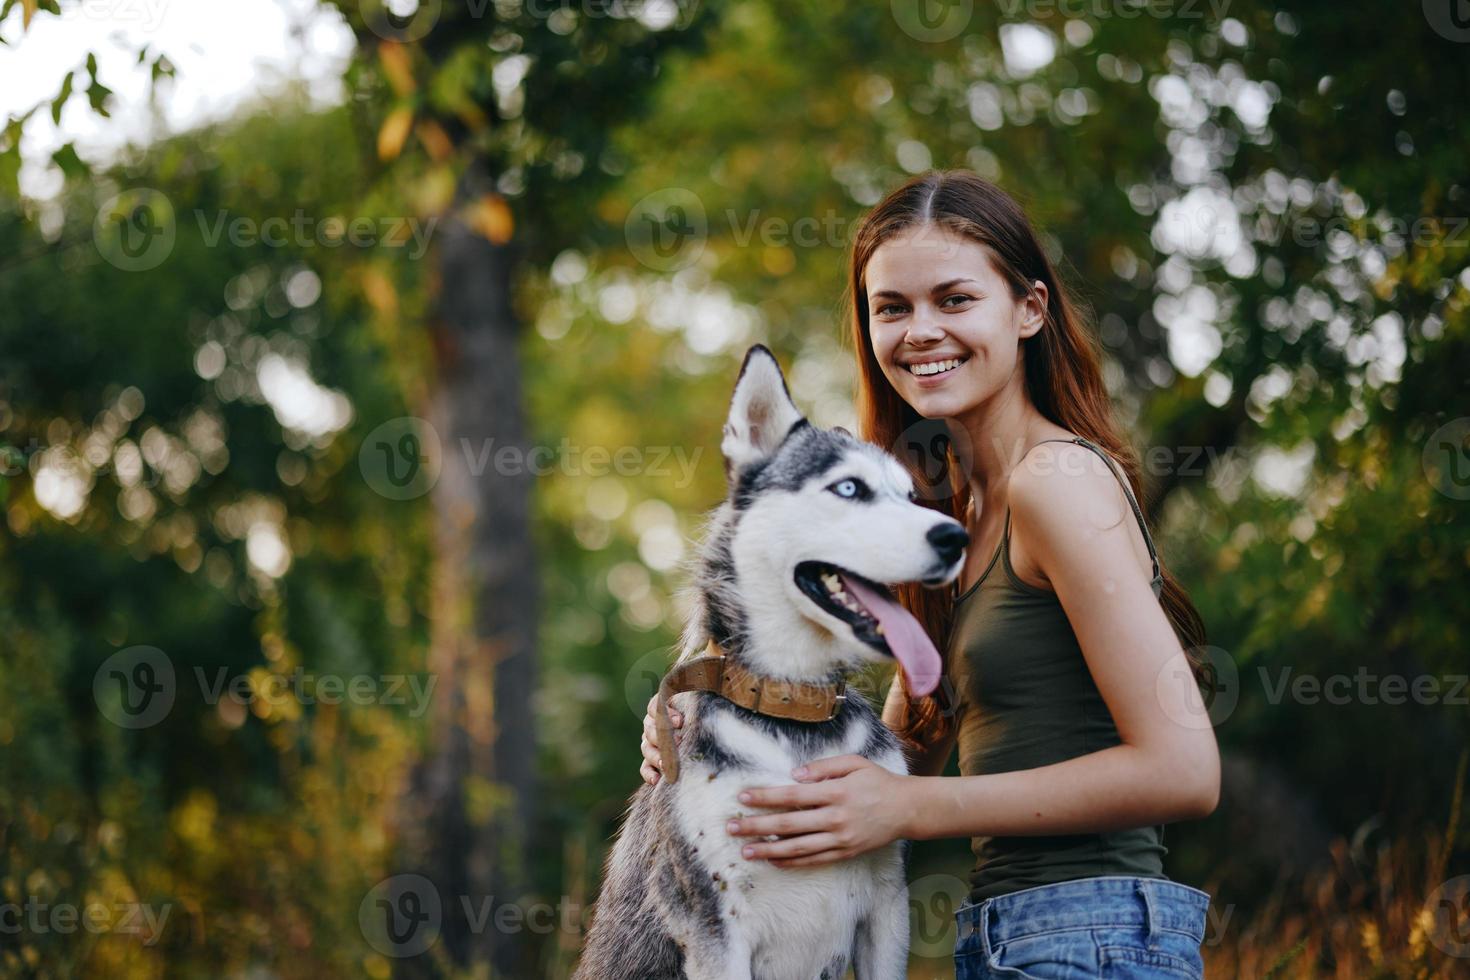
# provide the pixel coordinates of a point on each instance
(716, 672)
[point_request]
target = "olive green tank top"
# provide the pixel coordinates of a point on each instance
(1027, 699)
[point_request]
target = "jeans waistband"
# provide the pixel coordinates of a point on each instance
(1150, 904)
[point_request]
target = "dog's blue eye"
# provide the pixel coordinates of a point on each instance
(851, 489)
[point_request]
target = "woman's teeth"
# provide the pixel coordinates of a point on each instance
(935, 367)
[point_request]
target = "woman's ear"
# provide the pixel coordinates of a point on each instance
(1033, 309)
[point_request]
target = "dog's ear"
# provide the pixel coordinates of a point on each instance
(761, 411)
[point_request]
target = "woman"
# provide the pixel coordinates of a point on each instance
(1064, 638)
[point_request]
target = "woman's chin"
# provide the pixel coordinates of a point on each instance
(932, 404)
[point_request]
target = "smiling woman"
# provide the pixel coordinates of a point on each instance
(1078, 746)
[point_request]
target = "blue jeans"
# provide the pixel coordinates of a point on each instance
(1113, 927)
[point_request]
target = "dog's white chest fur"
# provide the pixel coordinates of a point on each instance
(796, 922)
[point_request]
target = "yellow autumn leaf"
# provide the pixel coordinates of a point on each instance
(380, 293)
(435, 140)
(490, 216)
(434, 192)
(472, 116)
(397, 67)
(393, 133)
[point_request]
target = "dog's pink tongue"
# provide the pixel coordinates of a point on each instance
(906, 638)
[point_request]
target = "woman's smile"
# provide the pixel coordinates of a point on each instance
(931, 372)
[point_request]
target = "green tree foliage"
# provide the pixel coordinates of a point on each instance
(145, 388)
(1263, 203)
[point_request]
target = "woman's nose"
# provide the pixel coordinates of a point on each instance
(923, 329)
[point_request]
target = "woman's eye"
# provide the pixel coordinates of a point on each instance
(850, 489)
(957, 299)
(891, 309)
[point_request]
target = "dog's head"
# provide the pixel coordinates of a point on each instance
(819, 524)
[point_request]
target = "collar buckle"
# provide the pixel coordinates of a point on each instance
(838, 701)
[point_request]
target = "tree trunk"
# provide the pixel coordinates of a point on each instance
(474, 788)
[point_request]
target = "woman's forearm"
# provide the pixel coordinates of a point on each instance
(1113, 789)
(926, 759)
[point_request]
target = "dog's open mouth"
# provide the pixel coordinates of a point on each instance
(824, 585)
(875, 618)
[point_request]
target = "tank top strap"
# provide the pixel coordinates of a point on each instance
(1158, 580)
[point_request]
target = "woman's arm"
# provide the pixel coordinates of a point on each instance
(651, 769)
(1079, 531)
(1077, 528)
(926, 759)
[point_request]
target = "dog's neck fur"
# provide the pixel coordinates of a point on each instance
(761, 653)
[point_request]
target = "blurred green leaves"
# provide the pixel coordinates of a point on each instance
(1250, 185)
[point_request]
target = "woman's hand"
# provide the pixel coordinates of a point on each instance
(652, 767)
(842, 806)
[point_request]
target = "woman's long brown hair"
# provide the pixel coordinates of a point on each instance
(1063, 379)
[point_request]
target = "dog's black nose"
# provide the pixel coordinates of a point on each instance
(949, 540)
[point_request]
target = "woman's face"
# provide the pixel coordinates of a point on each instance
(944, 325)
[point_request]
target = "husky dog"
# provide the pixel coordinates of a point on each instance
(789, 586)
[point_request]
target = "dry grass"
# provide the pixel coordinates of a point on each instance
(1398, 910)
